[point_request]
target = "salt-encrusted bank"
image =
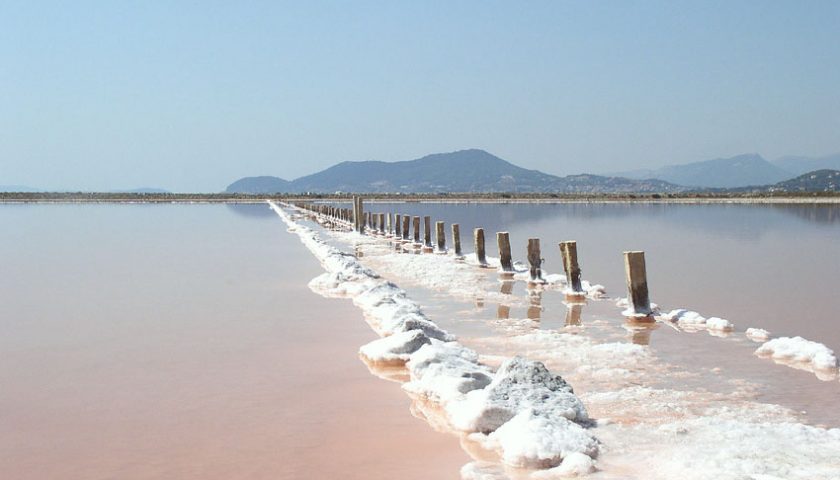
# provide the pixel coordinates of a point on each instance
(531, 417)
(645, 429)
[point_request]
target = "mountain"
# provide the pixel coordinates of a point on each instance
(738, 171)
(264, 184)
(798, 165)
(462, 171)
(816, 181)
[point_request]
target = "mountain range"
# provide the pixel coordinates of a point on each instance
(738, 171)
(462, 171)
(481, 172)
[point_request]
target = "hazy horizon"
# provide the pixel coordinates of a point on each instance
(100, 96)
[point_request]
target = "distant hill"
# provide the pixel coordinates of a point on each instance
(461, 171)
(264, 184)
(18, 188)
(798, 165)
(738, 171)
(816, 181)
(143, 190)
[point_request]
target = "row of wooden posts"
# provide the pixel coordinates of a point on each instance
(397, 225)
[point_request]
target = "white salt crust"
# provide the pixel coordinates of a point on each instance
(651, 433)
(531, 417)
(801, 353)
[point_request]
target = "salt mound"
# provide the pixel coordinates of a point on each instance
(519, 384)
(535, 440)
(800, 351)
(394, 348)
(691, 319)
(757, 334)
(446, 370)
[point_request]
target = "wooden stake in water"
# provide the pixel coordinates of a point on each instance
(427, 231)
(389, 224)
(534, 259)
(398, 225)
(503, 240)
(416, 221)
(405, 227)
(440, 236)
(382, 223)
(480, 254)
(637, 287)
(568, 250)
(456, 238)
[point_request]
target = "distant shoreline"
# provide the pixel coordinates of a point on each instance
(187, 198)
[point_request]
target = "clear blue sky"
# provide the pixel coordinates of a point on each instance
(190, 96)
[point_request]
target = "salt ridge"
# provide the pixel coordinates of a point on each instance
(531, 417)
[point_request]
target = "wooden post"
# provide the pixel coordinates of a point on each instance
(358, 215)
(456, 238)
(503, 240)
(382, 223)
(480, 254)
(427, 231)
(534, 259)
(440, 236)
(398, 225)
(416, 221)
(405, 229)
(637, 287)
(389, 227)
(568, 250)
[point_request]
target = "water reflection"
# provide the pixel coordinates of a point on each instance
(251, 210)
(640, 332)
(573, 311)
(535, 303)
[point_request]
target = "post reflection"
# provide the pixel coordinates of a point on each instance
(640, 333)
(535, 300)
(573, 311)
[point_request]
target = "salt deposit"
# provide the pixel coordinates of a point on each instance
(531, 418)
(757, 334)
(799, 352)
(528, 415)
(692, 320)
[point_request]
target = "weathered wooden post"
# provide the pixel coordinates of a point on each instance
(568, 250)
(637, 287)
(416, 222)
(456, 238)
(390, 224)
(480, 254)
(427, 232)
(358, 215)
(405, 227)
(535, 260)
(398, 225)
(382, 224)
(440, 236)
(503, 240)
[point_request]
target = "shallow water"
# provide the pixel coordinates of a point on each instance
(769, 266)
(153, 341)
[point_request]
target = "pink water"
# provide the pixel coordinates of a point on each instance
(147, 342)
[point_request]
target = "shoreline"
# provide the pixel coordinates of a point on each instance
(106, 198)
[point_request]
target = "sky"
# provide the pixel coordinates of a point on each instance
(190, 96)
